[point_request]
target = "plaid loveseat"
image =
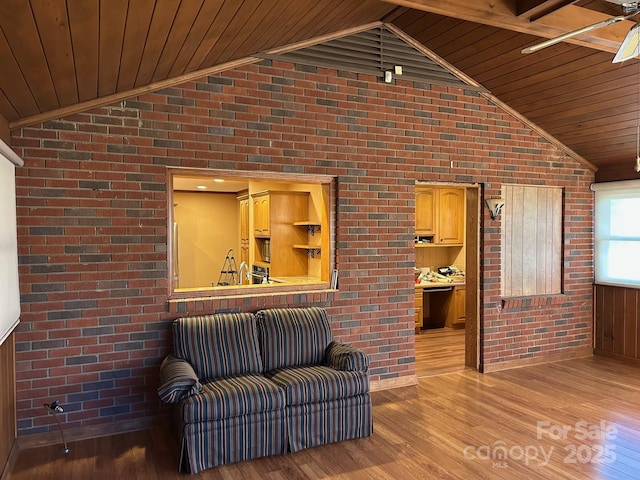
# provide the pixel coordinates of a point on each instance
(247, 386)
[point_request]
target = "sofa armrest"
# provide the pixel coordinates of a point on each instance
(178, 380)
(341, 356)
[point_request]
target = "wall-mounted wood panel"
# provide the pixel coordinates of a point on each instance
(7, 400)
(532, 240)
(617, 330)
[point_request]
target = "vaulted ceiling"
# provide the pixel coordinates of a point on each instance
(60, 56)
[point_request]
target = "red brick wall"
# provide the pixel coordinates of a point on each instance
(92, 220)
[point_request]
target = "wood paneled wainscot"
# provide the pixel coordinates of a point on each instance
(617, 323)
(7, 400)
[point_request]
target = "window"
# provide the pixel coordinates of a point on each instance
(233, 232)
(532, 240)
(617, 233)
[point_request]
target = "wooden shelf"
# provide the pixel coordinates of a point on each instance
(312, 250)
(311, 226)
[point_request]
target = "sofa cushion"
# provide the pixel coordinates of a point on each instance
(318, 383)
(217, 346)
(232, 397)
(291, 337)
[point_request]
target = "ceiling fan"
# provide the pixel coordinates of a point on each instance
(628, 49)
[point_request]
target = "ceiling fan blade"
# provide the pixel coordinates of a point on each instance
(588, 28)
(630, 47)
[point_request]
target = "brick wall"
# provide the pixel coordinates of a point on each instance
(92, 220)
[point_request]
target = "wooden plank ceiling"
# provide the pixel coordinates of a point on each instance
(57, 54)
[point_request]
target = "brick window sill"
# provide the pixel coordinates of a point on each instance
(206, 304)
(514, 304)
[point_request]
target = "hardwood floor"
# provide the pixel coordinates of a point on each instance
(439, 351)
(577, 419)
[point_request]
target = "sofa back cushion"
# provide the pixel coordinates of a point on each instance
(292, 337)
(218, 346)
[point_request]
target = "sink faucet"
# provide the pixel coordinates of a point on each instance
(244, 266)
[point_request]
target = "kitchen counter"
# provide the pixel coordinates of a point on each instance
(295, 280)
(428, 285)
(457, 280)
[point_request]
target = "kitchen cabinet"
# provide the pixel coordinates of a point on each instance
(450, 216)
(243, 201)
(425, 223)
(441, 305)
(274, 216)
(418, 309)
(439, 215)
(457, 315)
(262, 214)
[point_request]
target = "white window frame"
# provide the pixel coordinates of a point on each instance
(617, 238)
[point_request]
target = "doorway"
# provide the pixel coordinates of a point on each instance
(447, 301)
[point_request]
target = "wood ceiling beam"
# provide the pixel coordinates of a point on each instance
(534, 9)
(501, 14)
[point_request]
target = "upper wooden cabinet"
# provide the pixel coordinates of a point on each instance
(425, 211)
(450, 215)
(440, 214)
(262, 215)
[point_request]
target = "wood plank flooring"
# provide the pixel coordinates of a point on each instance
(577, 419)
(439, 351)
